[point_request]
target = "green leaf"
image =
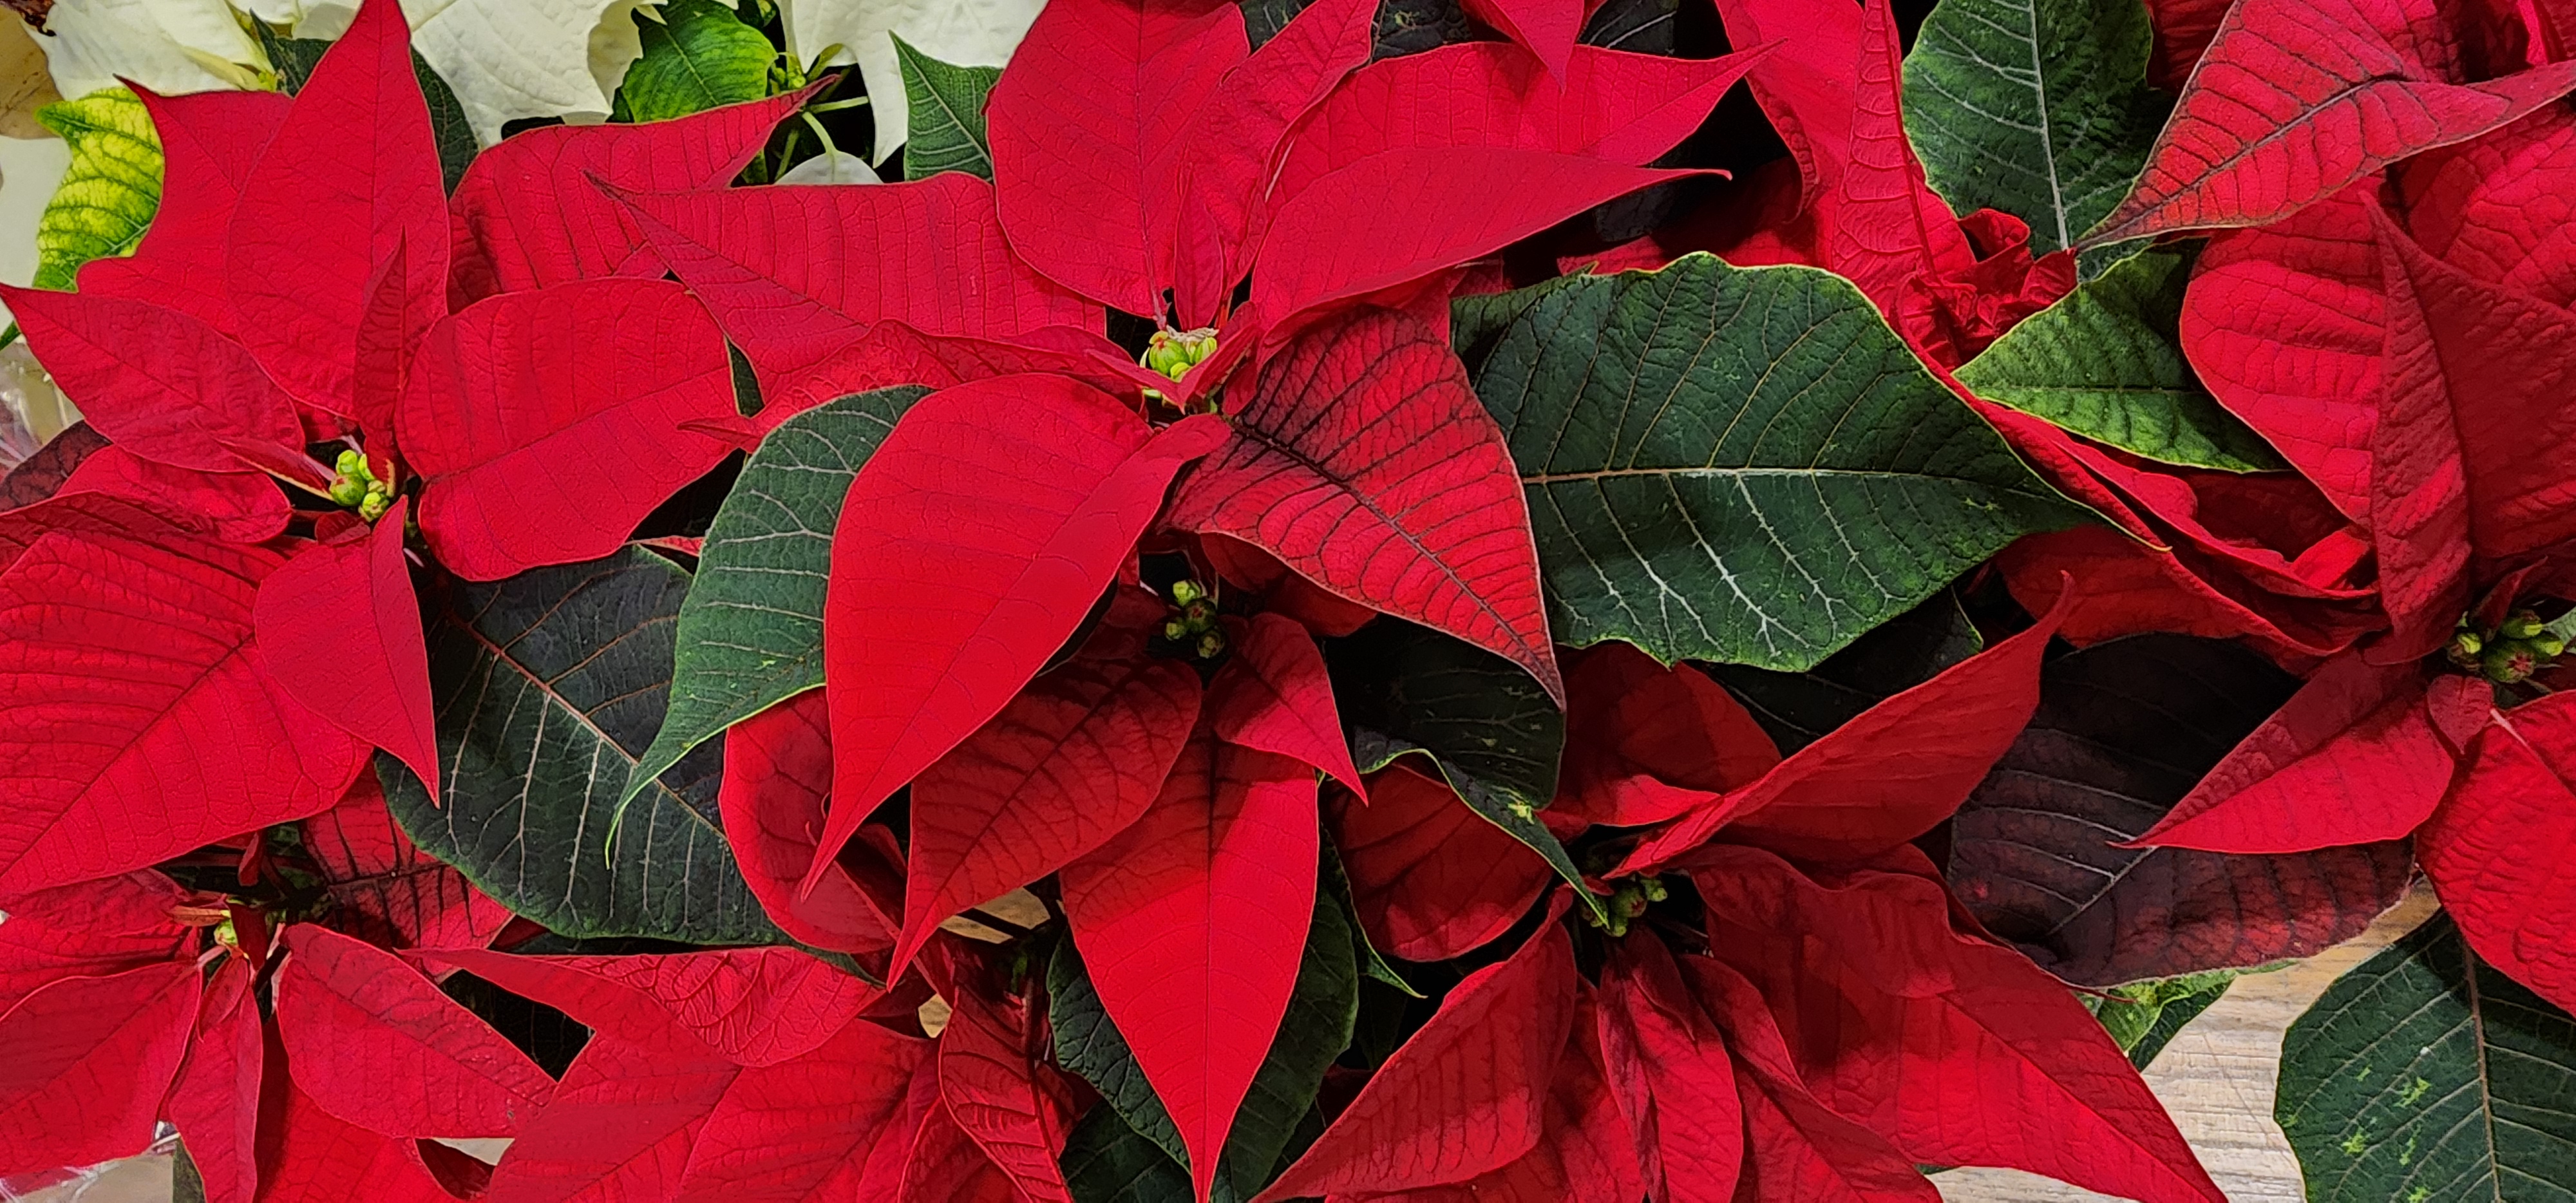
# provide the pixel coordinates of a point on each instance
(2426, 1076)
(547, 685)
(294, 59)
(946, 107)
(110, 192)
(698, 56)
(2039, 108)
(1105, 1161)
(449, 128)
(1738, 465)
(2106, 362)
(2145, 1016)
(1491, 731)
(1337, 883)
(1315, 1030)
(751, 633)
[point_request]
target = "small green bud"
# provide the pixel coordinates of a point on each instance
(2548, 645)
(2522, 624)
(1174, 352)
(1200, 612)
(375, 503)
(2467, 643)
(2509, 663)
(348, 491)
(1653, 888)
(1184, 592)
(226, 936)
(1211, 645)
(1176, 630)
(352, 462)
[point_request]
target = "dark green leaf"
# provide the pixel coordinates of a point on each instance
(1635, 26)
(1105, 1161)
(1901, 653)
(448, 126)
(186, 1184)
(110, 191)
(2124, 729)
(1490, 729)
(2106, 362)
(2425, 1076)
(2146, 1016)
(1337, 883)
(2039, 108)
(1738, 465)
(1413, 26)
(698, 56)
(548, 685)
(751, 633)
(946, 115)
(1315, 1030)
(292, 58)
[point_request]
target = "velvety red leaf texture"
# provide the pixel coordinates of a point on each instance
(90, 1059)
(1431, 877)
(373, 1042)
(2495, 847)
(777, 779)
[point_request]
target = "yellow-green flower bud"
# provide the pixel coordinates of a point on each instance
(1184, 592)
(375, 503)
(2523, 624)
(2509, 663)
(1174, 352)
(1211, 645)
(2548, 645)
(352, 462)
(1176, 630)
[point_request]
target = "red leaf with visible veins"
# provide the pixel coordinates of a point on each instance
(998, 1088)
(1079, 755)
(2419, 488)
(1669, 1071)
(1192, 920)
(1362, 459)
(209, 141)
(1089, 129)
(235, 507)
(986, 543)
(1432, 879)
(549, 423)
(1806, 85)
(1884, 228)
(2297, 98)
(946, 1166)
(319, 1158)
(2285, 326)
(2183, 30)
(2352, 758)
(1796, 1149)
(1273, 695)
(794, 273)
(830, 1124)
(2503, 207)
(2467, 368)
(1611, 105)
(375, 1043)
(1230, 166)
(214, 1102)
(892, 353)
(135, 722)
(1546, 27)
(1464, 1095)
(777, 774)
(159, 383)
(1893, 1017)
(527, 215)
(350, 179)
(1885, 777)
(754, 1006)
(339, 629)
(89, 1058)
(2497, 849)
(1357, 230)
(1584, 1152)
(387, 892)
(620, 1126)
(1645, 743)
(90, 929)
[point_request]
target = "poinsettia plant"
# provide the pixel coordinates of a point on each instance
(1341, 600)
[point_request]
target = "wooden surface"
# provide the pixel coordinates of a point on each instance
(2216, 1080)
